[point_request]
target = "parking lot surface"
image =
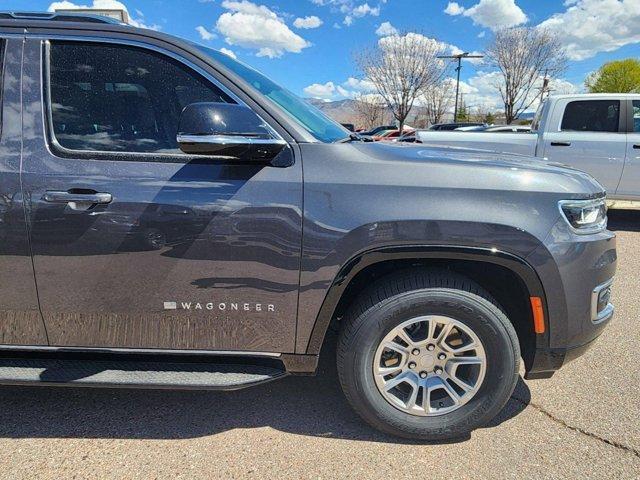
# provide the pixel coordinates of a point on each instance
(582, 423)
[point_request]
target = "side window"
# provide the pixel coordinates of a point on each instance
(592, 116)
(116, 98)
(636, 116)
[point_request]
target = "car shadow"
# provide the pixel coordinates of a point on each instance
(312, 406)
(624, 220)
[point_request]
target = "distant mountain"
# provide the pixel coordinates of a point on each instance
(340, 110)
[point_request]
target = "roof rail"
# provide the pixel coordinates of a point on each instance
(59, 17)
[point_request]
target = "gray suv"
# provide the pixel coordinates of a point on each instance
(170, 218)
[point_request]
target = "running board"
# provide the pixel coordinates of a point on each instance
(135, 374)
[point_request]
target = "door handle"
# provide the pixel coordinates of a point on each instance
(560, 144)
(637, 146)
(91, 198)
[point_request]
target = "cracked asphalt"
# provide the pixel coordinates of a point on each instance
(582, 423)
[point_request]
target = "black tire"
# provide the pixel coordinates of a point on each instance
(405, 295)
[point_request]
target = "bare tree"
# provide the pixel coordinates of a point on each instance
(438, 101)
(523, 56)
(370, 110)
(402, 68)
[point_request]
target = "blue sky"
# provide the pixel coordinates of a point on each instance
(318, 61)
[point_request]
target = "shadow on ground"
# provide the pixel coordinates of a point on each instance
(624, 220)
(312, 406)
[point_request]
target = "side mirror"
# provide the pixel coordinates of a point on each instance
(228, 131)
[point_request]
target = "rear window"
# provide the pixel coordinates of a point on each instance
(636, 116)
(592, 116)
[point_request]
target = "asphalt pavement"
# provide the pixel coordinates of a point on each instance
(582, 423)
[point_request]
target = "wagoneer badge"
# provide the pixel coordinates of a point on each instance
(221, 306)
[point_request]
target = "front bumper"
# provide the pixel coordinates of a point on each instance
(577, 272)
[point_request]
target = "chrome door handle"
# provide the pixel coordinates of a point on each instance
(92, 198)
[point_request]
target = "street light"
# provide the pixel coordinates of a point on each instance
(459, 57)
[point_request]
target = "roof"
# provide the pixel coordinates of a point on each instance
(59, 17)
(596, 95)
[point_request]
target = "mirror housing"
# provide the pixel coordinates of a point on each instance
(227, 130)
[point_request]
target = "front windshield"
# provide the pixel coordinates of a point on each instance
(311, 118)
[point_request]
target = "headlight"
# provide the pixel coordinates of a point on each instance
(585, 216)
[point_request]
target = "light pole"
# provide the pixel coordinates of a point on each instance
(459, 57)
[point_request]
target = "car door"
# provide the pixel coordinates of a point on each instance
(135, 244)
(630, 183)
(588, 135)
(20, 321)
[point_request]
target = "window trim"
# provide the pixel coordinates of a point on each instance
(3, 58)
(630, 118)
(54, 147)
(621, 115)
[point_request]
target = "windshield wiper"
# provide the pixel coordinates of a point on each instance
(354, 137)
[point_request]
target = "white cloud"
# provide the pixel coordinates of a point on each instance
(385, 29)
(453, 8)
(204, 33)
(591, 26)
(231, 53)
(323, 91)
(365, 9)
(106, 5)
(493, 14)
(333, 90)
(351, 8)
(359, 85)
(255, 26)
(307, 22)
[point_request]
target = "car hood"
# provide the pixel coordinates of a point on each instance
(454, 166)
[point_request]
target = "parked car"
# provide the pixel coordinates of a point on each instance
(390, 135)
(453, 126)
(596, 133)
(410, 137)
(377, 130)
(441, 269)
(508, 129)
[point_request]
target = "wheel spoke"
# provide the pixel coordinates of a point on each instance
(444, 333)
(451, 392)
(466, 361)
(462, 384)
(411, 401)
(394, 382)
(384, 371)
(405, 337)
(396, 347)
(459, 350)
(426, 399)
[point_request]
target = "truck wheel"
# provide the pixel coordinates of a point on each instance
(427, 355)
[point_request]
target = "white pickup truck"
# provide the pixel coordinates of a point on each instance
(596, 133)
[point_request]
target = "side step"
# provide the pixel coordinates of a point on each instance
(197, 375)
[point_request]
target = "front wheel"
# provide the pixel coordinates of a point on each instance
(427, 355)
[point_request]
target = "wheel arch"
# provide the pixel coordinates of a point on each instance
(476, 262)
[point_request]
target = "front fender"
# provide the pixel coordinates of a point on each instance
(325, 271)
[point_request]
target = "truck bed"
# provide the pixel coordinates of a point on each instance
(520, 143)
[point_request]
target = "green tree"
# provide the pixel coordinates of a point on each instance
(619, 76)
(489, 118)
